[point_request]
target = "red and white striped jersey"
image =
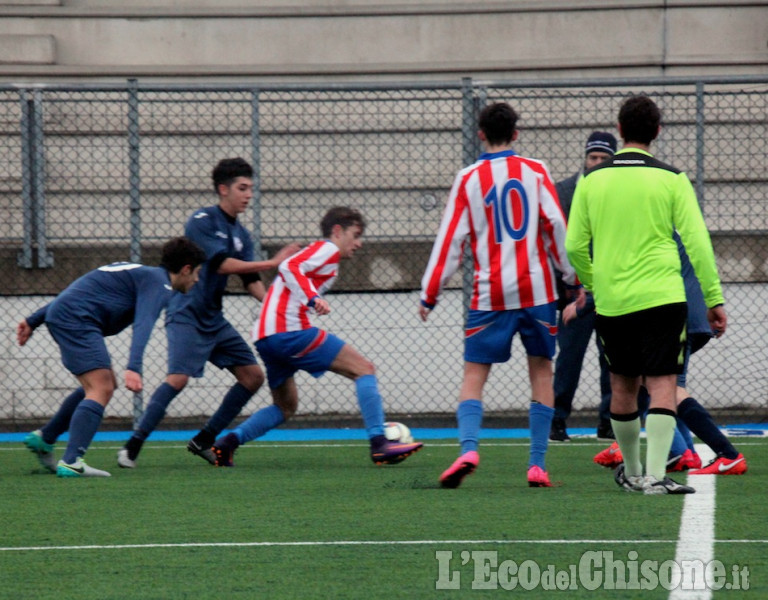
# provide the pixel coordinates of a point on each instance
(308, 273)
(505, 206)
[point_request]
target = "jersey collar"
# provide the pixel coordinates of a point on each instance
(492, 155)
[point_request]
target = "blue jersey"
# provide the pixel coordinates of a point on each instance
(111, 298)
(221, 237)
(699, 329)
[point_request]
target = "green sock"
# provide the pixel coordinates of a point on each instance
(627, 434)
(660, 429)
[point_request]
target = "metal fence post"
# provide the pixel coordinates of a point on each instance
(134, 193)
(33, 182)
(699, 184)
(134, 174)
(256, 161)
(24, 259)
(44, 258)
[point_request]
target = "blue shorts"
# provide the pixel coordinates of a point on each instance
(82, 349)
(488, 333)
(189, 349)
(312, 350)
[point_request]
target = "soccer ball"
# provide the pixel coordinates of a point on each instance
(397, 432)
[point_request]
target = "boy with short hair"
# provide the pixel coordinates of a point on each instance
(102, 303)
(287, 341)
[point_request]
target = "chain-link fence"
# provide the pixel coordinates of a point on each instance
(97, 174)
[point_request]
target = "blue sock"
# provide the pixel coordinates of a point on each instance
(85, 422)
(469, 416)
(155, 410)
(59, 423)
(678, 444)
(234, 401)
(686, 433)
(539, 422)
(259, 423)
(369, 399)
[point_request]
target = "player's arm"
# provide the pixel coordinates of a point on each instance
(447, 249)
(552, 228)
(234, 266)
(578, 236)
(151, 298)
(294, 272)
(690, 224)
(26, 327)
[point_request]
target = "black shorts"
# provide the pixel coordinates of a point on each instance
(646, 342)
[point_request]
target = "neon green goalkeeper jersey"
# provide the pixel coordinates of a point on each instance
(628, 208)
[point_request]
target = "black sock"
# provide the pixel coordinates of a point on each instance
(204, 439)
(700, 422)
(134, 447)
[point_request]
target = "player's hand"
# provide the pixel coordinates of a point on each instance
(133, 381)
(285, 252)
(718, 320)
(424, 312)
(321, 306)
(23, 332)
(578, 295)
(570, 313)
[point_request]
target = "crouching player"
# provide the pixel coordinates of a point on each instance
(287, 342)
(101, 303)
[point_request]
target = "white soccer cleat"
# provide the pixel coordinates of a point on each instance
(123, 460)
(78, 469)
(653, 486)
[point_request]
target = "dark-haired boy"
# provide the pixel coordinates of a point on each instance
(196, 327)
(287, 341)
(102, 303)
(505, 208)
(628, 208)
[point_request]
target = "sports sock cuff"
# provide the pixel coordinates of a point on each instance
(662, 411)
(628, 417)
(92, 406)
(470, 407)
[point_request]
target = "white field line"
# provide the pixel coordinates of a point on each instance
(696, 541)
(504, 542)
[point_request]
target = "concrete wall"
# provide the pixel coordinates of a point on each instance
(367, 39)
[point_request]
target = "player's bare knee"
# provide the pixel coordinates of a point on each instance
(251, 379)
(177, 381)
(367, 368)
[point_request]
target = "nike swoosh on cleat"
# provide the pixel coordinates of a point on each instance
(81, 470)
(723, 468)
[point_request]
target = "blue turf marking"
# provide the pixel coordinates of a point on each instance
(317, 435)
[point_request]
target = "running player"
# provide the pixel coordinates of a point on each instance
(505, 207)
(102, 303)
(196, 327)
(287, 342)
(627, 209)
